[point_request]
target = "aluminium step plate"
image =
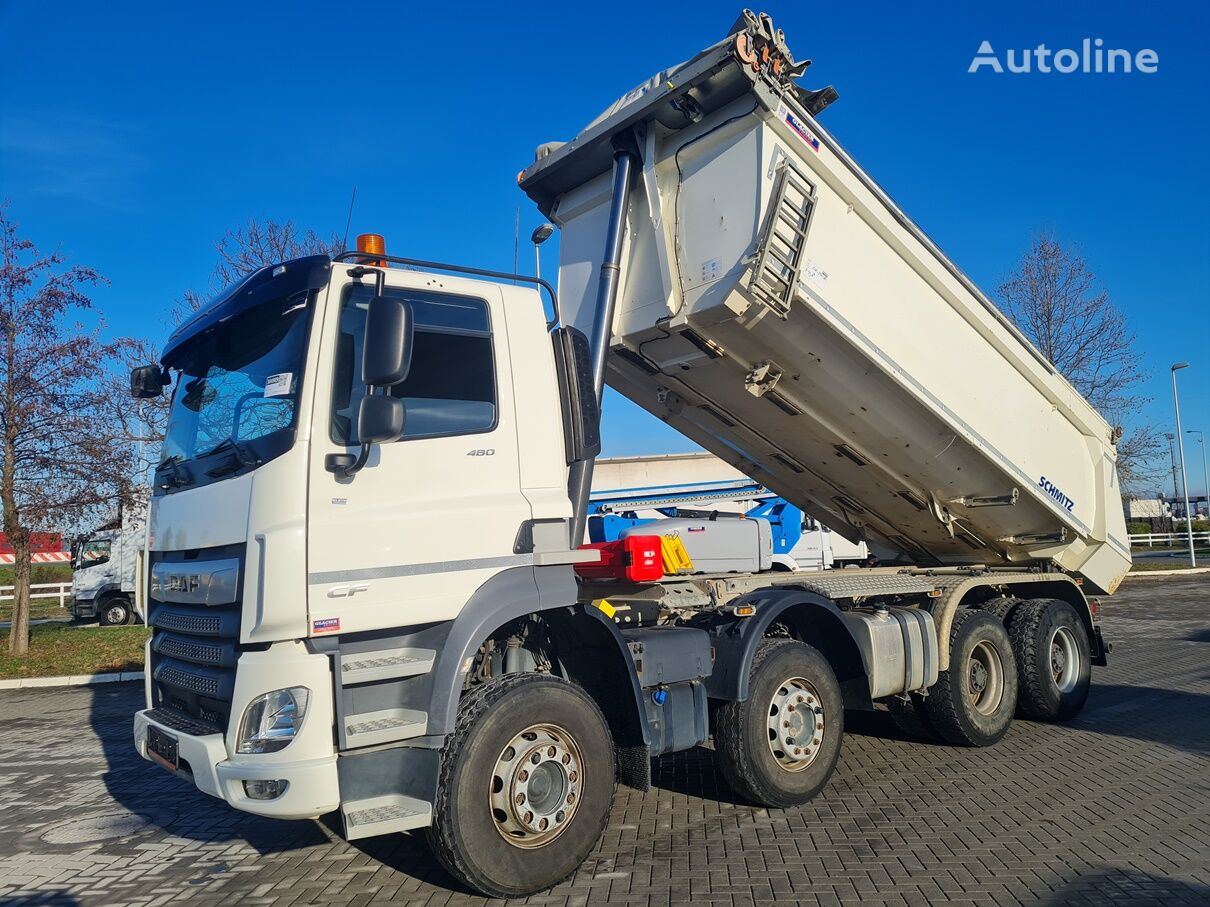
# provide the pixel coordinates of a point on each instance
(384, 815)
(384, 726)
(385, 664)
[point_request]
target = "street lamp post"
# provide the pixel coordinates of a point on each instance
(1171, 436)
(1201, 439)
(1180, 443)
(540, 235)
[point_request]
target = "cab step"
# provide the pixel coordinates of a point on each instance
(384, 815)
(384, 726)
(385, 664)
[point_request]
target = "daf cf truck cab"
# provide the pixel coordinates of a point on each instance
(365, 576)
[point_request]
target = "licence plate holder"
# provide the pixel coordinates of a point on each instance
(162, 748)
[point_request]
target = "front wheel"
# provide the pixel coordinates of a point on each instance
(1054, 659)
(114, 611)
(527, 780)
(779, 746)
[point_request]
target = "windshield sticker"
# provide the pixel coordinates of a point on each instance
(279, 385)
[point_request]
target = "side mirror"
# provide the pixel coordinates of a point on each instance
(388, 343)
(380, 419)
(147, 381)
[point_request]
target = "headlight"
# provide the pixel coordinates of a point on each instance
(271, 721)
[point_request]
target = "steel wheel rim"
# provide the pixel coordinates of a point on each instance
(985, 678)
(1064, 659)
(796, 724)
(535, 785)
(115, 614)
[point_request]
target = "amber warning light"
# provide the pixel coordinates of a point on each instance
(372, 244)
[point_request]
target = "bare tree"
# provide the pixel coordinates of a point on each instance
(254, 245)
(259, 243)
(138, 425)
(58, 456)
(1056, 300)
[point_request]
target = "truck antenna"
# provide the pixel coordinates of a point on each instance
(516, 239)
(344, 243)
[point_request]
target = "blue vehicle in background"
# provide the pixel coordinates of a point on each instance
(799, 541)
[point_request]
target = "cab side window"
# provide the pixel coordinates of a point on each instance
(451, 385)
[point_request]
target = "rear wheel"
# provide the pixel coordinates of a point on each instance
(912, 717)
(973, 701)
(780, 745)
(113, 611)
(1002, 607)
(1054, 659)
(527, 780)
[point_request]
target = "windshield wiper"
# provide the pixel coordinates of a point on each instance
(177, 474)
(241, 458)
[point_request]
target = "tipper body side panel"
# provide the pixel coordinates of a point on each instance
(779, 309)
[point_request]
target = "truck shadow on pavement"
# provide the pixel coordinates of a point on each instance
(173, 803)
(43, 899)
(1122, 885)
(1147, 714)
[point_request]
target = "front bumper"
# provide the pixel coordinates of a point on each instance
(308, 764)
(83, 607)
(312, 788)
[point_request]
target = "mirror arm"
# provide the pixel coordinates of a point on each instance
(380, 277)
(345, 465)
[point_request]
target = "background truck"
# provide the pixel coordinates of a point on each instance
(798, 541)
(366, 525)
(103, 573)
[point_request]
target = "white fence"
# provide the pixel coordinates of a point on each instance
(1169, 539)
(61, 591)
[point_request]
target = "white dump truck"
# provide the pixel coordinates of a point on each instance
(104, 567)
(364, 571)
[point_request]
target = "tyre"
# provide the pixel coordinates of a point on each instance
(912, 717)
(525, 786)
(114, 611)
(1002, 607)
(779, 747)
(1054, 659)
(973, 701)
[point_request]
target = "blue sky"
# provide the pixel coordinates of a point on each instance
(138, 134)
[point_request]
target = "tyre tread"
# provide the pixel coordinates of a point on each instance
(1023, 631)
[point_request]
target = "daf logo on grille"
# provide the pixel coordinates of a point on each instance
(181, 582)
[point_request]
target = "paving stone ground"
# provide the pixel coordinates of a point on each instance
(1112, 808)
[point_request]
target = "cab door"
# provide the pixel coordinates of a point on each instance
(432, 516)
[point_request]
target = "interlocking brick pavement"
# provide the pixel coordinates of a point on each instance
(1112, 808)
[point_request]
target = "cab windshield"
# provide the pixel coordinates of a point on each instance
(92, 553)
(236, 387)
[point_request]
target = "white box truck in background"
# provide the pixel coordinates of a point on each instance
(104, 566)
(365, 581)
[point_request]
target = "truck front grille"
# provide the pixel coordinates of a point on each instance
(195, 646)
(205, 626)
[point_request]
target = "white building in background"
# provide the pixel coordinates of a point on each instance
(1145, 510)
(612, 473)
